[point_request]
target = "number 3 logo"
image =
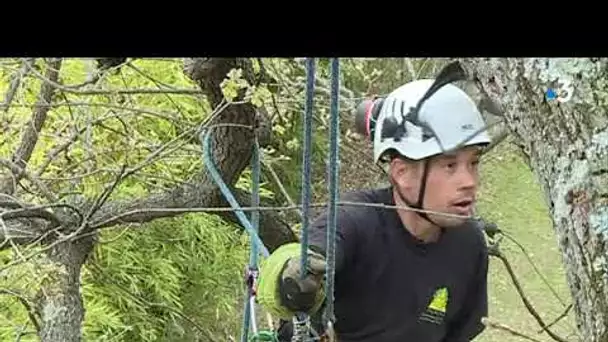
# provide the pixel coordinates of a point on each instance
(564, 93)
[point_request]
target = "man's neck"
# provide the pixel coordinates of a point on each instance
(417, 226)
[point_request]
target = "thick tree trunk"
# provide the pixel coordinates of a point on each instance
(567, 147)
(59, 301)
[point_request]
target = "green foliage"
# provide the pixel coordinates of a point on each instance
(245, 183)
(140, 283)
(17, 284)
(233, 84)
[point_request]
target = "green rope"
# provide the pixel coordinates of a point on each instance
(264, 336)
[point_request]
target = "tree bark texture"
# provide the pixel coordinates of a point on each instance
(567, 147)
(59, 301)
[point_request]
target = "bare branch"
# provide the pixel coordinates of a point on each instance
(497, 253)
(19, 172)
(27, 304)
(30, 137)
(558, 318)
(15, 83)
(540, 274)
(127, 172)
(171, 117)
(496, 325)
(410, 68)
(280, 185)
(141, 213)
(157, 82)
(101, 199)
(159, 153)
(30, 213)
(73, 88)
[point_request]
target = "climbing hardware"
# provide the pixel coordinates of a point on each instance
(302, 332)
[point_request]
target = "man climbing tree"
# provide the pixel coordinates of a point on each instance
(401, 275)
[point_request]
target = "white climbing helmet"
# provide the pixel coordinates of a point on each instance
(451, 117)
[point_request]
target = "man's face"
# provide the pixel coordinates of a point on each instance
(451, 184)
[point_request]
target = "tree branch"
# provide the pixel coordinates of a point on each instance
(231, 152)
(558, 318)
(496, 325)
(30, 213)
(15, 83)
(30, 137)
(31, 313)
(497, 253)
(52, 82)
(16, 170)
(273, 231)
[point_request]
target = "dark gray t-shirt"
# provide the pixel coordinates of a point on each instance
(390, 287)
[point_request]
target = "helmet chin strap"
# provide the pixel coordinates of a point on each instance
(421, 194)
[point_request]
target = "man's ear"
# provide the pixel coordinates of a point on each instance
(400, 172)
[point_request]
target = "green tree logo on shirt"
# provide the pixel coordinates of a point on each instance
(440, 300)
(435, 311)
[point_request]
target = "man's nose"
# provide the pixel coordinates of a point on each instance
(468, 179)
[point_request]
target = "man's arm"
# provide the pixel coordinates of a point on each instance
(284, 263)
(345, 240)
(469, 325)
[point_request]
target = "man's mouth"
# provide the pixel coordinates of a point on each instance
(464, 205)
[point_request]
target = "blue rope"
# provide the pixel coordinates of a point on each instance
(252, 226)
(208, 159)
(300, 325)
(306, 157)
(333, 187)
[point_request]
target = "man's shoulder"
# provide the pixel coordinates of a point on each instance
(471, 236)
(358, 207)
(363, 202)
(368, 195)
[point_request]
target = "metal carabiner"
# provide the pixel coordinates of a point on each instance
(330, 333)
